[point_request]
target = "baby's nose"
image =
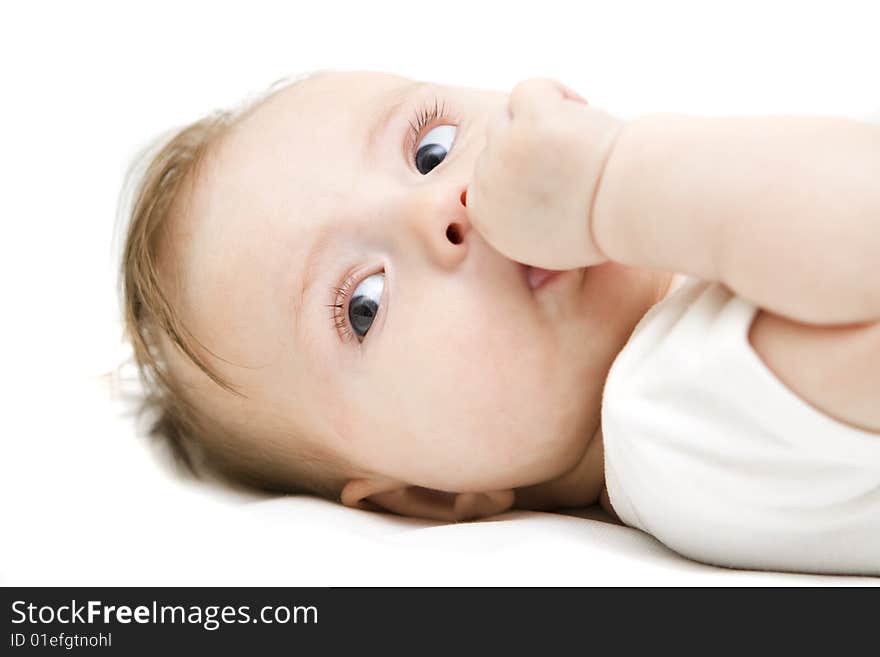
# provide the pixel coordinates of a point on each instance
(455, 231)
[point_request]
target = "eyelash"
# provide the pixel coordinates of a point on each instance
(430, 111)
(337, 314)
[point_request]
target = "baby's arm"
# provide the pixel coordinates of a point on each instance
(784, 211)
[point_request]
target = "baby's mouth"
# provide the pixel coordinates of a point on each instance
(537, 277)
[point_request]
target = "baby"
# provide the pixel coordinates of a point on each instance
(447, 302)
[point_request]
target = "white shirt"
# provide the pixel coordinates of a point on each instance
(710, 453)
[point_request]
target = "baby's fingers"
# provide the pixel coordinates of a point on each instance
(485, 200)
(537, 96)
(496, 125)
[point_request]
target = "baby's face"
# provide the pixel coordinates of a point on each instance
(437, 365)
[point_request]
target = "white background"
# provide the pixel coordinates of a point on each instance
(86, 85)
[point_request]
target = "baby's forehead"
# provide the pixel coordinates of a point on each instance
(316, 102)
(306, 131)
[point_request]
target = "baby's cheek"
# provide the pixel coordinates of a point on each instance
(330, 417)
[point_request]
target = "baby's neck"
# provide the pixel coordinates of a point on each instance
(579, 487)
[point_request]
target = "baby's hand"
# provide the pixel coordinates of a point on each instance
(532, 191)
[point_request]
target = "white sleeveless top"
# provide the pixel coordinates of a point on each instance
(710, 453)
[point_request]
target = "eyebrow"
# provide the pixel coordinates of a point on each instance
(396, 99)
(328, 232)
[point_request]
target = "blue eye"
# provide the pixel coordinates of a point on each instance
(434, 147)
(364, 304)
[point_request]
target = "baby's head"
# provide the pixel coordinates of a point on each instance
(312, 310)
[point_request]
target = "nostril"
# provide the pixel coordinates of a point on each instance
(464, 198)
(453, 234)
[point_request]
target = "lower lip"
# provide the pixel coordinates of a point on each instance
(538, 278)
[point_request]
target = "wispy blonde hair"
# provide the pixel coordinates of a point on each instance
(157, 177)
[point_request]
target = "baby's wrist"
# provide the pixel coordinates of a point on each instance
(600, 205)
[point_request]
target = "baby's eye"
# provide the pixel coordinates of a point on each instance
(433, 148)
(365, 303)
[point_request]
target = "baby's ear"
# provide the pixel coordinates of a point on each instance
(418, 502)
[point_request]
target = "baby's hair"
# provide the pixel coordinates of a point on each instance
(157, 179)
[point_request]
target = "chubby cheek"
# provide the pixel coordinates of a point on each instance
(483, 395)
(476, 419)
